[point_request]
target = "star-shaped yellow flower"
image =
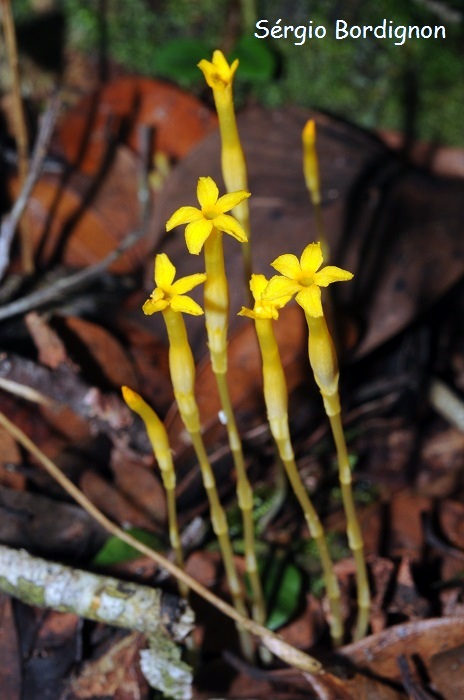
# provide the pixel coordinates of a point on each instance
(212, 214)
(170, 293)
(218, 74)
(303, 278)
(263, 308)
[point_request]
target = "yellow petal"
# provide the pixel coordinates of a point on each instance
(220, 62)
(226, 72)
(151, 306)
(209, 71)
(331, 274)
(258, 284)
(280, 287)
(287, 265)
(207, 192)
(311, 258)
(229, 225)
(310, 300)
(157, 294)
(281, 301)
(196, 234)
(246, 312)
(185, 305)
(185, 284)
(229, 201)
(184, 215)
(164, 271)
(218, 74)
(233, 69)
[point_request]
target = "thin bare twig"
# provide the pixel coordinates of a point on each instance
(10, 222)
(22, 140)
(288, 654)
(67, 284)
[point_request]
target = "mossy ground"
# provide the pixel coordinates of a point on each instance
(371, 82)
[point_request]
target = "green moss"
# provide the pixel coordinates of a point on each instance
(28, 592)
(370, 82)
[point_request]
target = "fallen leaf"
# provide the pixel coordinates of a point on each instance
(422, 639)
(120, 108)
(105, 350)
(113, 503)
(115, 674)
(77, 219)
(367, 193)
(447, 672)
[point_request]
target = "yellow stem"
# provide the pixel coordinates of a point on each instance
(323, 361)
(174, 537)
(182, 370)
(216, 316)
(234, 169)
(159, 441)
(221, 530)
(245, 502)
(353, 528)
(276, 398)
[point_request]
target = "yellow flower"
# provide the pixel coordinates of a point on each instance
(263, 308)
(303, 278)
(170, 293)
(201, 221)
(218, 74)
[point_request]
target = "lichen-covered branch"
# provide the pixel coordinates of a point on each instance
(42, 583)
(164, 618)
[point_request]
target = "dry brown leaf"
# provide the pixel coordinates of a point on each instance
(378, 654)
(399, 229)
(115, 674)
(120, 108)
(113, 503)
(78, 220)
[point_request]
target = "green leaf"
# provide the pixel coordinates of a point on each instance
(257, 61)
(115, 551)
(177, 59)
(283, 586)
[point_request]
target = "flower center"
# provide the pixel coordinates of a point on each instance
(306, 280)
(210, 213)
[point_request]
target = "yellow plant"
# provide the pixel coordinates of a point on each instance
(159, 441)
(169, 298)
(312, 179)
(205, 227)
(303, 279)
(219, 75)
(276, 399)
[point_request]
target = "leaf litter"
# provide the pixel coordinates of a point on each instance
(398, 228)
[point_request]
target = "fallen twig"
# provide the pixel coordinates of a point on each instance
(10, 222)
(39, 582)
(22, 139)
(67, 284)
(163, 618)
(283, 650)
